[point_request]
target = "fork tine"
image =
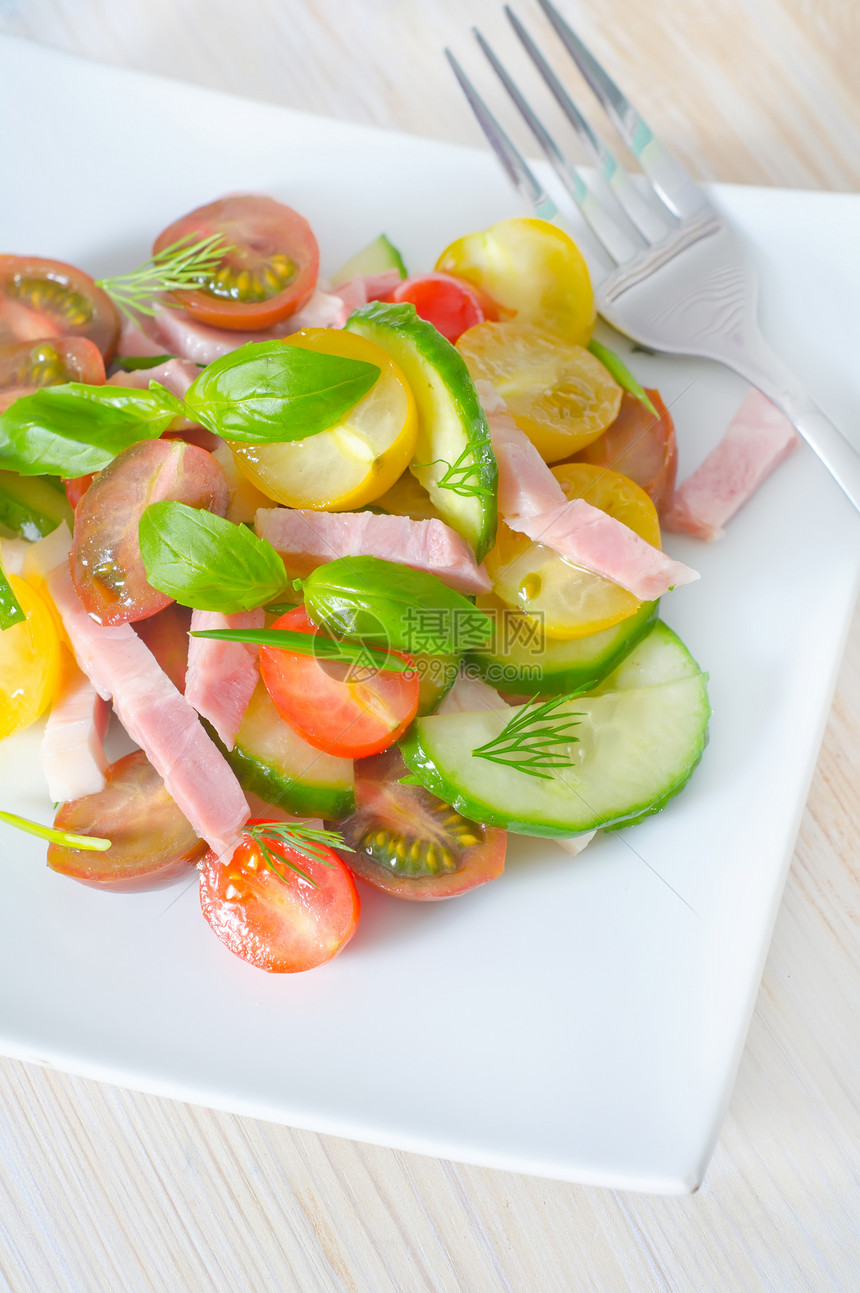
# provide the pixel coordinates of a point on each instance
(519, 172)
(649, 223)
(670, 181)
(613, 237)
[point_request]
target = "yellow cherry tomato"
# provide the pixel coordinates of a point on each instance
(352, 463)
(567, 601)
(408, 497)
(530, 268)
(559, 394)
(30, 662)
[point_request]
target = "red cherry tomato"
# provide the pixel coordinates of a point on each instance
(151, 842)
(280, 925)
(411, 844)
(43, 299)
(337, 707)
(28, 365)
(640, 446)
(451, 304)
(270, 273)
(76, 487)
(106, 565)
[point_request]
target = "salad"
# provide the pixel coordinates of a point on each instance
(368, 571)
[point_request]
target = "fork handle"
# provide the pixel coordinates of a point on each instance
(754, 360)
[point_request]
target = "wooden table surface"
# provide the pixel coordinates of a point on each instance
(104, 1189)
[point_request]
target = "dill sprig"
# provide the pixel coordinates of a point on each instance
(462, 476)
(93, 843)
(530, 741)
(186, 263)
(308, 841)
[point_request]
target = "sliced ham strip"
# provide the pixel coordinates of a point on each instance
(587, 537)
(176, 374)
(316, 537)
(357, 291)
(184, 336)
(222, 675)
(468, 695)
(139, 339)
(758, 438)
(72, 752)
(122, 668)
(526, 484)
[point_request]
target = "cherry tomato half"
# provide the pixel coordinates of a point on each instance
(282, 925)
(151, 842)
(451, 304)
(28, 365)
(270, 272)
(43, 299)
(107, 568)
(344, 709)
(640, 446)
(411, 844)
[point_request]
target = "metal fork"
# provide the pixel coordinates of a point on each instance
(679, 280)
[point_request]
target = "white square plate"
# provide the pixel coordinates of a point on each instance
(581, 1020)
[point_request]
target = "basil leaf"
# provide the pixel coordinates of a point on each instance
(10, 610)
(205, 562)
(134, 363)
(268, 392)
(617, 368)
(381, 603)
(74, 429)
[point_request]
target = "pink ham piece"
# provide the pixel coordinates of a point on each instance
(758, 438)
(316, 537)
(222, 675)
(72, 752)
(158, 718)
(587, 537)
(186, 337)
(176, 374)
(526, 484)
(357, 291)
(139, 339)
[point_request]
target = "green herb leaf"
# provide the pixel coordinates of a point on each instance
(134, 363)
(306, 840)
(315, 644)
(535, 738)
(74, 429)
(268, 392)
(10, 610)
(464, 476)
(184, 264)
(205, 562)
(91, 842)
(616, 368)
(381, 603)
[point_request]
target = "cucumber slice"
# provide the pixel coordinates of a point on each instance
(375, 258)
(660, 657)
(272, 761)
(637, 747)
(452, 428)
(552, 667)
(31, 506)
(436, 676)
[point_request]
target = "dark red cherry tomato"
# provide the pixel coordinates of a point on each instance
(76, 487)
(151, 842)
(334, 707)
(279, 923)
(640, 446)
(270, 273)
(26, 366)
(107, 568)
(43, 299)
(451, 304)
(411, 844)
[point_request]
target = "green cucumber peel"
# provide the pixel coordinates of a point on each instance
(10, 609)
